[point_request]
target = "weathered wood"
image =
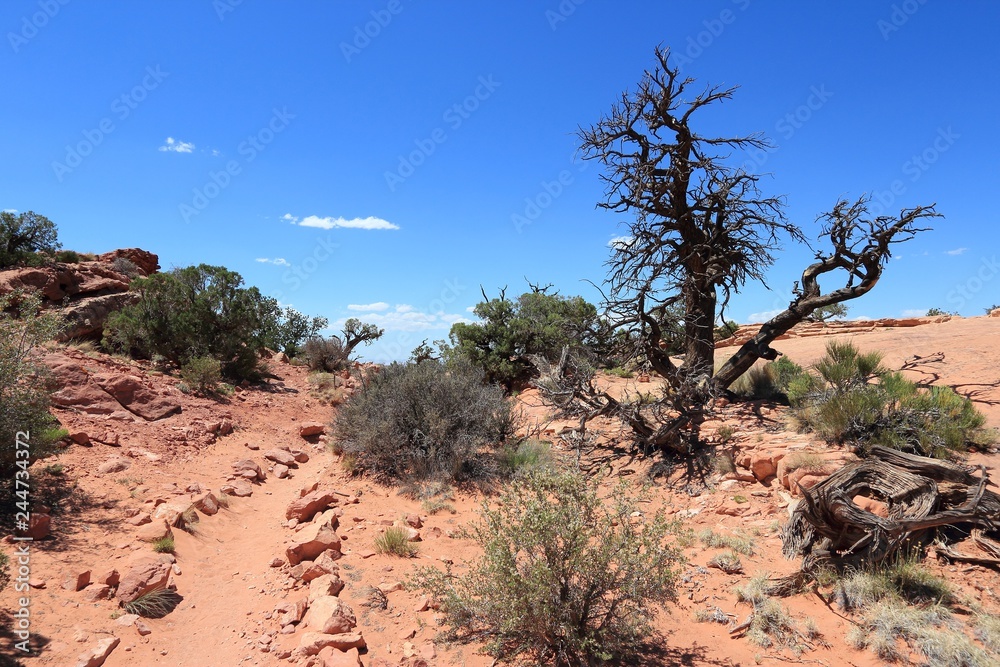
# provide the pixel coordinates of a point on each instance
(922, 495)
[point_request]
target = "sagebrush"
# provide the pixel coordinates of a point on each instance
(423, 420)
(566, 577)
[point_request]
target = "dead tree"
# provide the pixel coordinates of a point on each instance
(925, 499)
(702, 230)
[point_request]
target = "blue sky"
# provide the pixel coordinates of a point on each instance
(387, 158)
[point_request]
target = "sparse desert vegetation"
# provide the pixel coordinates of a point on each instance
(708, 421)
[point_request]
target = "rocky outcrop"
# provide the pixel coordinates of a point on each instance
(807, 329)
(85, 292)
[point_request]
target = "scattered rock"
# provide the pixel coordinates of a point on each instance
(324, 564)
(280, 456)
(331, 657)
(206, 503)
(330, 615)
(413, 521)
(145, 575)
(292, 612)
(324, 585)
(311, 541)
(248, 469)
(280, 471)
(305, 507)
(96, 592)
(113, 465)
(312, 643)
(310, 429)
(96, 656)
(239, 488)
(77, 581)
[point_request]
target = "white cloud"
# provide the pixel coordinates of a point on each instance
(405, 317)
(620, 241)
(10, 210)
(861, 318)
(277, 261)
(914, 312)
(956, 251)
(755, 318)
(369, 307)
(371, 222)
(216, 152)
(175, 146)
(470, 309)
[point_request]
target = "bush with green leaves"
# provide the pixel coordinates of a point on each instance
(200, 311)
(333, 354)
(24, 399)
(24, 234)
(202, 373)
(854, 399)
(4, 570)
(566, 577)
(536, 323)
(423, 420)
(68, 257)
(835, 311)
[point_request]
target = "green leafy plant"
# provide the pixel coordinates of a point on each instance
(565, 576)
(23, 236)
(202, 373)
(395, 541)
(539, 323)
(527, 456)
(855, 400)
(154, 604)
(423, 420)
(739, 543)
(199, 311)
(24, 399)
(164, 545)
(4, 570)
(68, 257)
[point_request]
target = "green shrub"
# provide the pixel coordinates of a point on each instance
(857, 401)
(726, 330)
(333, 354)
(154, 604)
(24, 237)
(4, 570)
(202, 373)
(68, 257)
(527, 456)
(164, 545)
(536, 323)
(198, 311)
(423, 420)
(24, 401)
(564, 577)
(742, 544)
(618, 371)
(757, 383)
(395, 541)
(904, 580)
